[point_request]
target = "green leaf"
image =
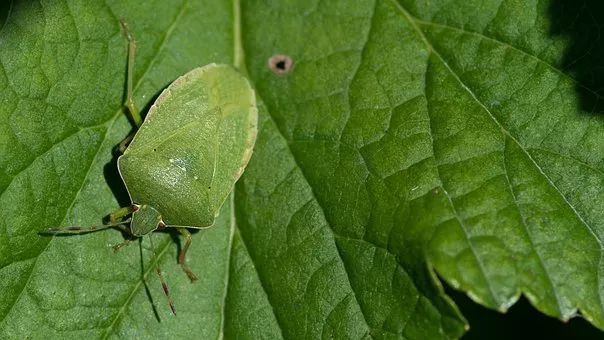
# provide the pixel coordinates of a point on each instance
(410, 138)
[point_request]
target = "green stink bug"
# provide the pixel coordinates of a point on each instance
(185, 158)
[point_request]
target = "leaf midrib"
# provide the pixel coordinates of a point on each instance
(238, 62)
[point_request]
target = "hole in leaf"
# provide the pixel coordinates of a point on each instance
(280, 64)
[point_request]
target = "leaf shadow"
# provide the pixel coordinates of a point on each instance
(110, 170)
(118, 188)
(176, 240)
(114, 181)
(581, 22)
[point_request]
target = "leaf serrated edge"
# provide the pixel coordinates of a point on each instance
(506, 304)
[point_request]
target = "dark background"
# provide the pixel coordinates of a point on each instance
(581, 22)
(521, 322)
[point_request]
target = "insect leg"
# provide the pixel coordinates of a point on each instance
(164, 284)
(121, 213)
(134, 113)
(183, 253)
(124, 144)
(120, 245)
(84, 230)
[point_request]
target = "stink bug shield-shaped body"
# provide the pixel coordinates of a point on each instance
(186, 156)
(192, 147)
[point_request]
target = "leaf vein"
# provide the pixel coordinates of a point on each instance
(112, 120)
(261, 283)
(232, 226)
(503, 129)
(528, 235)
(456, 214)
(507, 45)
(322, 211)
(137, 286)
(77, 193)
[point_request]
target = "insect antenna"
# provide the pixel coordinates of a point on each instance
(164, 284)
(84, 230)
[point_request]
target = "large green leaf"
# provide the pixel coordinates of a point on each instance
(410, 137)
